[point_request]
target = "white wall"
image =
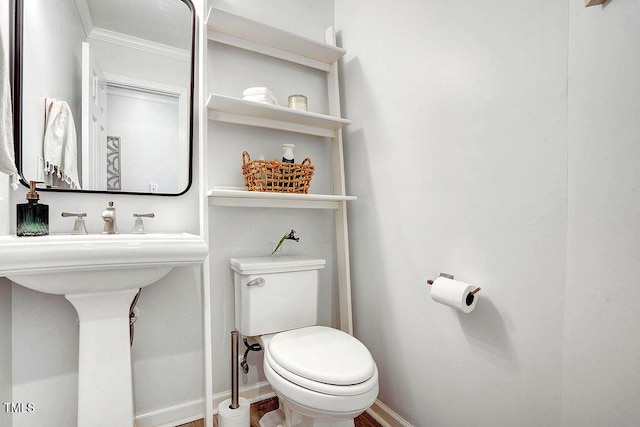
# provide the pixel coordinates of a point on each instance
(458, 155)
(140, 64)
(167, 354)
(149, 129)
(52, 58)
(5, 351)
(601, 369)
(236, 232)
(5, 285)
(471, 156)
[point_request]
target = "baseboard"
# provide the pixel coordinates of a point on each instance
(191, 411)
(386, 416)
(172, 415)
(253, 393)
(194, 410)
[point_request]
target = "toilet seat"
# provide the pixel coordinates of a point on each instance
(322, 359)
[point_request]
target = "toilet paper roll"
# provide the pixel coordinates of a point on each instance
(454, 293)
(239, 417)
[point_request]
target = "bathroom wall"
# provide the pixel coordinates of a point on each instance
(167, 353)
(497, 141)
(237, 232)
(5, 204)
(601, 355)
(140, 64)
(5, 285)
(149, 130)
(469, 154)
(458, 156)
(43, 52)
(5, 351)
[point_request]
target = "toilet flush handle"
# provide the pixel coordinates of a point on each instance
(256, 282)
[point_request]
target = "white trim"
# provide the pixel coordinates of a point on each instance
(253, 393)
(132, 42)
(171, 416)
(345, 308)
(387, 416)
(85, 16)
(117, 79)
(200, 153)
(193, 410)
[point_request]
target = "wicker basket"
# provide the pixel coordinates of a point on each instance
(274, 176)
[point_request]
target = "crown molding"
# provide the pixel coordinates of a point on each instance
(132, 42)
(85, 16)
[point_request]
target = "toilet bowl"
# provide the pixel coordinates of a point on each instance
(323, 377)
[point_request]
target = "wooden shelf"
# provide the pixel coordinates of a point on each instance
(235, 30)
(240, 197)
(234, 110)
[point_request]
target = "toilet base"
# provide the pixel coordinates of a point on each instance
(274, 418)
(277, 418)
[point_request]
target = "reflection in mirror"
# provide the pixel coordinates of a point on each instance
(104, 94)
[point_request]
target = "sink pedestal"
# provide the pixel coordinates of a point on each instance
(105, 391)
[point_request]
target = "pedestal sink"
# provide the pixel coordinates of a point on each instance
(99, 275)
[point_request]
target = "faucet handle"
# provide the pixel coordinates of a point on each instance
(78, 226)
(138, 228)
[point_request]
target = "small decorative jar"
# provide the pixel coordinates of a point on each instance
(298, 102)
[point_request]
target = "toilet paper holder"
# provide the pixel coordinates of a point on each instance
(450, 276)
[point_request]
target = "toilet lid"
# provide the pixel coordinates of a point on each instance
(322, 354)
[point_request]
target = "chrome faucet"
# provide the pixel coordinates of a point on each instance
(109, 217)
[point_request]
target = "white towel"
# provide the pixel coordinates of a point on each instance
(259, 90)
(265, 99)
(60, 142)
(7, 155)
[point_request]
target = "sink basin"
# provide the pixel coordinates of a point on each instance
(99, 275)
(63, 264)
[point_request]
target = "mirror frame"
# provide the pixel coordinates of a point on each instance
(17, 103)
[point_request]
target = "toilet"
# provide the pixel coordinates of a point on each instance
(323, 377)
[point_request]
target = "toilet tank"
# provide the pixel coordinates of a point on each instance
(274, 294)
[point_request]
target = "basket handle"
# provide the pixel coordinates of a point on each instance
(306, 161)
(246, 158)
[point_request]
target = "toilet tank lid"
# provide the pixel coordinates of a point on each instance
(277, 264)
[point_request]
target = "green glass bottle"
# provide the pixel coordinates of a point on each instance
(32, 217)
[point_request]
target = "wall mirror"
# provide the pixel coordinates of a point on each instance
(103, 94)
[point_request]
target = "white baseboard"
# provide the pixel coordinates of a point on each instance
(191, 411)
(194, 410)
(253, 393)
(172, 416)
(386, 416)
